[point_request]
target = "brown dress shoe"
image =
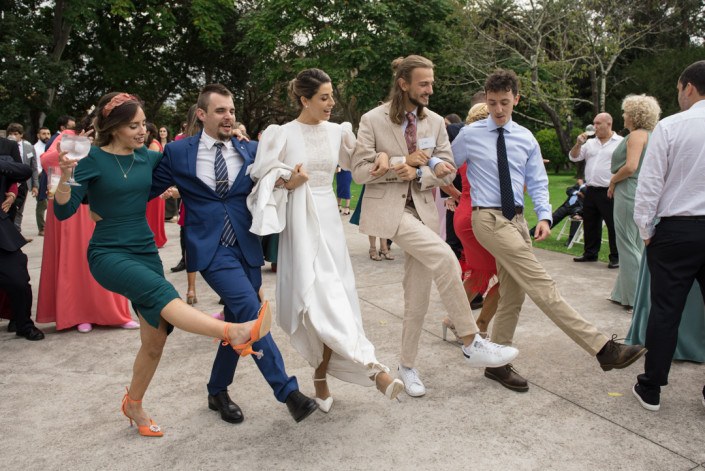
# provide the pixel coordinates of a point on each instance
(508, 377)
(618, 355)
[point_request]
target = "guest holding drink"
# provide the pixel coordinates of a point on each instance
(117, 176)
(68, 294)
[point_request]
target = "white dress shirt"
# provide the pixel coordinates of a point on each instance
(205, 162)
(39, 149)
(671, 181)
(598, 160)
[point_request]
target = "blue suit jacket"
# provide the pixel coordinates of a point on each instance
(205, 209)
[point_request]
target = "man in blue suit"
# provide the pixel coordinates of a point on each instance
(209, 169)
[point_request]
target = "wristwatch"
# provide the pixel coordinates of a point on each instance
(419, 174)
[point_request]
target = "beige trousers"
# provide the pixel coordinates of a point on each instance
(520, 273)
(428, 258)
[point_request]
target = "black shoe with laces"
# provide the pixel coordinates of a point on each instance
(649, 399)
(618, 355)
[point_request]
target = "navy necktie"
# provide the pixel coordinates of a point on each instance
(222, 186)
(505, 179)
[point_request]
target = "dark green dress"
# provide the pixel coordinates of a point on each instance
(122, 255)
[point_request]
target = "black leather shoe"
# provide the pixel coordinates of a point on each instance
(613, 265)
(477, 302)
(12, 326)
(300, 406)
(585, 259)
(618, 355)
(508, 377)
(31, 334)
(229, 411)
(181, 266)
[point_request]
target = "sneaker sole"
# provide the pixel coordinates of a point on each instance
(626, 363)
(414, 395)
(494, 377)
(489, 365)
(646, 405)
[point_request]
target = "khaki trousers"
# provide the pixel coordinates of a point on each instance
(519, 274)
(428, 258)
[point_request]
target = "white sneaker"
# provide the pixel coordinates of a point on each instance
(485, 354)
(412, 383)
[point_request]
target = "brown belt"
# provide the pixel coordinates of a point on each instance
(518, 209)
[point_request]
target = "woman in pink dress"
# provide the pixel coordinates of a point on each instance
(156, 206)
(68, 294)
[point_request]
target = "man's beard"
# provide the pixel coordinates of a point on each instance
(419, 106)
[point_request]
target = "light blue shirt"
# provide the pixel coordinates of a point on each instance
(477, 144)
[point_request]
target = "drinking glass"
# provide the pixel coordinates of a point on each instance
(77, 147)
(53, 177)
(590, 131)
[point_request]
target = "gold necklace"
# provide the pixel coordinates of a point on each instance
(124, 173)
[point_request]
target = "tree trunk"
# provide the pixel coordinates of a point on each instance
(61, 33)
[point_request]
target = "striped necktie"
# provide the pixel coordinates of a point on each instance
(222, 186)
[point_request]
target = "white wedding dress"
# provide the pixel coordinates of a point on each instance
(316, 297)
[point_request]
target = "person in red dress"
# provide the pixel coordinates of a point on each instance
(478, 264)
(156, 207)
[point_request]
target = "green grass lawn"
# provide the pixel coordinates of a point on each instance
(556, 187)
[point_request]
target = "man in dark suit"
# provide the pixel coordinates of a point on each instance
(14, 277)
(210, 172)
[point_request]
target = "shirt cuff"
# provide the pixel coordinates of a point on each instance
(647, 232)
(433, 161)
(545, 215)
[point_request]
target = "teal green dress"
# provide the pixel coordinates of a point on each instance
(691, 333)
(122, 255)
(629, 242)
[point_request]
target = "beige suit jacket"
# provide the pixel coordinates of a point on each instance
(385, 196)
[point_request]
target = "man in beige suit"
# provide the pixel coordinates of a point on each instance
(402, 152)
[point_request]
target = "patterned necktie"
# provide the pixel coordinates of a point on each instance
(505, 179)
(222, 186)
(410, 132)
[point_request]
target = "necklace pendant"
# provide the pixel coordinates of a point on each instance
(124, 176)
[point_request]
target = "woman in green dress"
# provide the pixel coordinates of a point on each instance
(691, 333)
(641, 113)
(122, 256)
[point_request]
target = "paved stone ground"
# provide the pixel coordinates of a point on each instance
(60, 398)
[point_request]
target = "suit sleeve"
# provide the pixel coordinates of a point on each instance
(162, 176)
(365, 154)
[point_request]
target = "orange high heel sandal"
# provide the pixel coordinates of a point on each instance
(151, 430)
(259, 329)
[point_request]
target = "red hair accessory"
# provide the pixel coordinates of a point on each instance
(118, 100)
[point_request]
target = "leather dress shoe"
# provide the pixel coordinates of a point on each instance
(229, 411)
(508, 377)
(585, 259)
(613, 264)
(31, 334)
(300, 406)
(618, 355)
(12, 326)
(181, 266)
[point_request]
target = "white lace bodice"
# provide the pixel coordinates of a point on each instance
(320, 162)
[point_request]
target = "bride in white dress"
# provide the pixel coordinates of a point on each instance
(317, 303)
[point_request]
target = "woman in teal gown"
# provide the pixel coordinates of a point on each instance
(122, 256)
(691, 333)
(641, 113)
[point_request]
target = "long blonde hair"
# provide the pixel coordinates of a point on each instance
(403, 67)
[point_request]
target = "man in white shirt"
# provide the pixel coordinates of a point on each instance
(597, 154)
(669, 210)
(40, 146)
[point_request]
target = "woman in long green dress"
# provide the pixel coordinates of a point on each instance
(691, 333)
(641, 113)
(122, 256)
